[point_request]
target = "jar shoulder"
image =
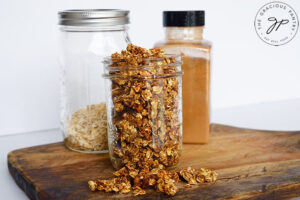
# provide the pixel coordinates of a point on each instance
(194, 49)
(203, 43)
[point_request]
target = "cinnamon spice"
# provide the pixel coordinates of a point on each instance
(195, 89)
(195, 92)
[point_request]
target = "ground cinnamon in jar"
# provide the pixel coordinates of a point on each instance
(183, 35)
(195, 99)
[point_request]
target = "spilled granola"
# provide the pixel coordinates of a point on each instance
(129, 179)
(193, 177)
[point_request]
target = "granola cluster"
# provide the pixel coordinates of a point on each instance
(87, 129)
(129, 178)
(192, 177)
(145, 92)
(140, 179)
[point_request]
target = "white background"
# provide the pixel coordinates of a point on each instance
(245, 69)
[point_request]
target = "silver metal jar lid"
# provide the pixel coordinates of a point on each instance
(93, 17)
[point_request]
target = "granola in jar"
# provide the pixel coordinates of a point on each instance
(144, 107)
(144, 120)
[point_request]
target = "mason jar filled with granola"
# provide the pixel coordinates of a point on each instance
(86, 37)
(143, 91)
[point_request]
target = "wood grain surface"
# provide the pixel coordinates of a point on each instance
(251, 164)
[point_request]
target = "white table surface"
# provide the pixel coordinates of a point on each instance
(282, 115)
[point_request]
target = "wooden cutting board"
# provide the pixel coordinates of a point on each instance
(251, 164)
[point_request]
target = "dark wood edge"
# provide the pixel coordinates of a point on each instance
(20, 178)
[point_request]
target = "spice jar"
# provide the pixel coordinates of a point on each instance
(183, 35)
(143, 90)
(86, 37)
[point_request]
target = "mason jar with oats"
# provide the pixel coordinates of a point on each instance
(86, 37)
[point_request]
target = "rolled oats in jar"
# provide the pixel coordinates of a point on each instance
(86, 37)
(143, 91)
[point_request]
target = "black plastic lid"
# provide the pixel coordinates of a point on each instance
(184, 18)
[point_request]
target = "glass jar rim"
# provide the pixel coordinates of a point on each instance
(107, 61)
(105, 28)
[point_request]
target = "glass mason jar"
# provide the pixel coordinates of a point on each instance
(86, 37)
(144, 112)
